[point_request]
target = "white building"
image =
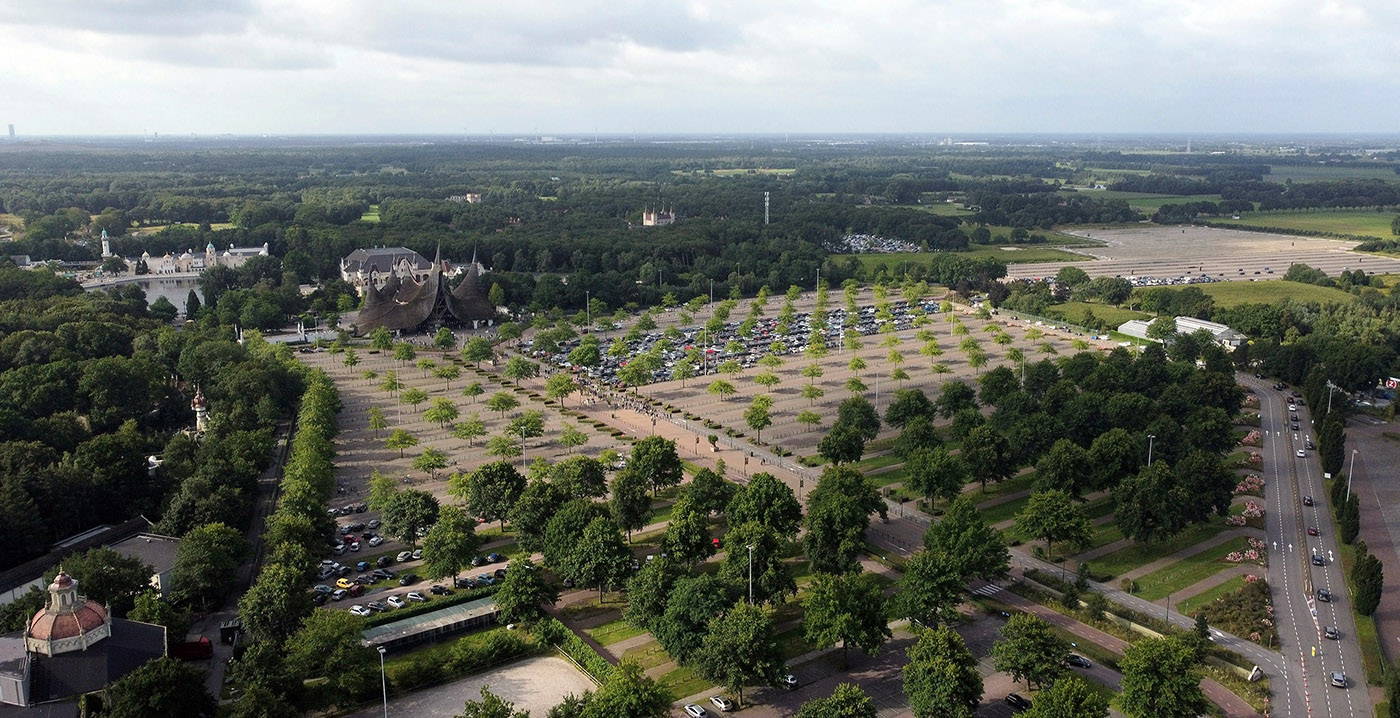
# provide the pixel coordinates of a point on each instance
(1223, 335)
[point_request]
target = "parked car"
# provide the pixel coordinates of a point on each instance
(374, 523)
(464, 582)
(343, 583)
(404, 556)
(358, 610)
(322, 588)
(499, 573)
(478, 561)
(376, 540)
(1078, 661)
(417, 554)
(320, 598)
(407, 579)
(695, 711)
(354, 545)
(364, 580)
(377, 606)
(362, 566)
(339, 594)
(439, 590)
(494, 558)
(788, 681)
(395, 601)
(722, 703)
(485, 579)
(1017, 701)
(415, 597)
(357, 590)
(384, 561)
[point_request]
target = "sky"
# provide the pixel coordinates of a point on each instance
(554, 67)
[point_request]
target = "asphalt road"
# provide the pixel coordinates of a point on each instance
(1309, 658)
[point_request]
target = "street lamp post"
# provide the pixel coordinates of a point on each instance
(1350, 472)
(383, 682)
(1330, 387)
(1150, 438)
(587, 308)
(751, 574)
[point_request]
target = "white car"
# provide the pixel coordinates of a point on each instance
(415, 597)
(722, 703)
(695, 711)
(417, 554)
(358, 610)
(376, 540)
(395, 601)
(1300, 453)
(404, 556)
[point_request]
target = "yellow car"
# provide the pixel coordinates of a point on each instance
(344, 583)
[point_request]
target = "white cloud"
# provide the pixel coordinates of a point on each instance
(695, 66)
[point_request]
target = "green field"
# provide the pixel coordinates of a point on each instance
(1073, 312)
(1317, 173)
(735, 171)
(1188, 571)
(1359, 222)
(1020, 255)
(1147, 201)
(1208, 596)
(1111, 565)
(372, 216)
(613, 631)
(1230, 294)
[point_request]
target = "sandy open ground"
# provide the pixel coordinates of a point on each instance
(534, 685)
(1176, 251)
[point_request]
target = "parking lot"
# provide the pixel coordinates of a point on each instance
(1168, 253)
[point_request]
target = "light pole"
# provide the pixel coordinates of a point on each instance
(383, 682)
(1350, 472)
(1150, 438)
(750, 574)
(587, 308)
(1330, 387)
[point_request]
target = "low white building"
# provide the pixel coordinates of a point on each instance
(1223, 335)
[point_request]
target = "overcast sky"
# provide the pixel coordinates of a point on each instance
(724, 66)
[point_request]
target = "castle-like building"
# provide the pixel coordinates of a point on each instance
(658, 217)
(188, 262)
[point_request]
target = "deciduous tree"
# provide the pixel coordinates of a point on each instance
(849, 608)
(941, 677)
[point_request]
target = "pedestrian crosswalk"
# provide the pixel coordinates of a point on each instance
(990, 589)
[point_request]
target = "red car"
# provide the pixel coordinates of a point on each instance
(1312, 531)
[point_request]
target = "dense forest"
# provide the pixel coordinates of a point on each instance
(558, 223)
(93, 385)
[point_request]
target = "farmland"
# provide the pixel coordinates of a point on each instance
(1359, 222)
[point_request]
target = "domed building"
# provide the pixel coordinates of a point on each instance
(69, 623)
(70, 647)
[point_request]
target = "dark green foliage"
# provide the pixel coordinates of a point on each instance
(847, 701)
(1368, 580)
(1349, 519)
(838, 512)
(163, 687)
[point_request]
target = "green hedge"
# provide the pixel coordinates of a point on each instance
(468, 655)
(557, 634)
(416, 609)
